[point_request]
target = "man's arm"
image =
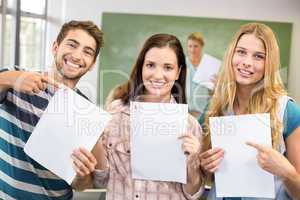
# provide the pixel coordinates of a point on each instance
(27, 82)
(4, 85)
(8, 79)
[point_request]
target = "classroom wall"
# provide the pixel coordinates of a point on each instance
(266, 10)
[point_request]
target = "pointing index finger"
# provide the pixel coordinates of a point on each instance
(256, 146)
(50, 81)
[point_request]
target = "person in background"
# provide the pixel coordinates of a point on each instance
(158, 76)
(197, 95)
(250, 83)
(24, 96)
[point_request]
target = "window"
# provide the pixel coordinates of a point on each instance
(24, 25)
(7, 30)
(33, 6)
(8, 42)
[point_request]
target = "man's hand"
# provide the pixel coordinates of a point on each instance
(84, 162)
(27, 82)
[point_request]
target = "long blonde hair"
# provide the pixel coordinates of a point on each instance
(264, 98)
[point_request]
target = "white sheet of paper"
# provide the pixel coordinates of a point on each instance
(209, 66)
(156, 152)
(69, 121)
(239, 174)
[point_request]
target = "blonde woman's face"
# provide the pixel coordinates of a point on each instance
(249, 60)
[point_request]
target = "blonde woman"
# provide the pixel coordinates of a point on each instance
(250, 83)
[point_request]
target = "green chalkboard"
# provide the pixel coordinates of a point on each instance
(124, 35)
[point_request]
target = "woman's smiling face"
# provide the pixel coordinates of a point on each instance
(160, 71)
(248, 60)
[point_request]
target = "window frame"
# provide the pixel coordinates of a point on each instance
(17, 14)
